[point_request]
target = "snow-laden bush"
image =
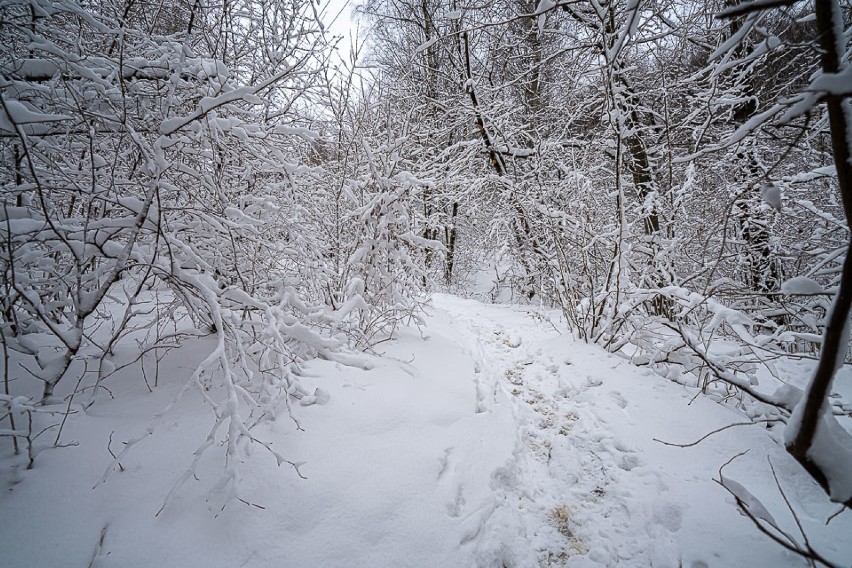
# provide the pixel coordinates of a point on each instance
(386, 272)
(153, 190)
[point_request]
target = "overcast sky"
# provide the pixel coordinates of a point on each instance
(337, 15)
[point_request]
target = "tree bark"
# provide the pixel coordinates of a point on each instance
(834, 345)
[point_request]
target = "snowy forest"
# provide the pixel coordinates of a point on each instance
(511, 283)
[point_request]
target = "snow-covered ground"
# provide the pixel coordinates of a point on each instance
(487, 438)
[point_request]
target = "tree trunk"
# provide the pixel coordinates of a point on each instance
(814, 407)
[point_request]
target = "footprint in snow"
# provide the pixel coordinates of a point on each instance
(593, 382)
(629, 461)
(456, 508)
(619, 399)
(668, 515)
(444, 461)
(450, 486)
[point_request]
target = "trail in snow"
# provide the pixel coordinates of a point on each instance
(488, 441)
(565, 470)
(586, 484)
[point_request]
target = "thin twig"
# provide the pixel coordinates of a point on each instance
(705, 436)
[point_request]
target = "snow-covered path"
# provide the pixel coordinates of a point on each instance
(586, 484)
(494, 441)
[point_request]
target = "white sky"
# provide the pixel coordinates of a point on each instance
(332, 8)
(338, 19)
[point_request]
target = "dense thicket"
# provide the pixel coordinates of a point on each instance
(168, 174)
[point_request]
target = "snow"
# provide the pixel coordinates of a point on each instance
(750, 501)
(545, 6)
(830, 450)
(426, 45)
(486, 438)
(43, 69)
(304, 133)
(15, 113)
(771, 195)
(541, 10)
(834, 83)
(802, 285)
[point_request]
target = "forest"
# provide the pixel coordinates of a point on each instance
(228, 201)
